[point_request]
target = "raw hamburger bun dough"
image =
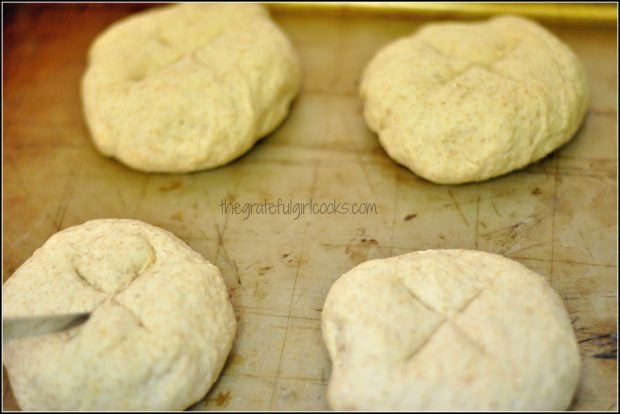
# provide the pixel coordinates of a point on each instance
(461, 102)
(448, 330)
(161, 328)
(187, 87)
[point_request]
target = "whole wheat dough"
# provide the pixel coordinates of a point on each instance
(161, 328)
(448, 330)
(188, 87)
(461, 102)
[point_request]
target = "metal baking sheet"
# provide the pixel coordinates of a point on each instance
(557, 216)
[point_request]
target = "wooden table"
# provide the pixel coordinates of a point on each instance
(557, 216)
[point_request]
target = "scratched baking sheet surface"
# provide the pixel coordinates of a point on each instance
(557, 216)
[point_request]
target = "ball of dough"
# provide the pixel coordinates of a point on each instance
(188, 87)
(462, 102)
(448, 330)
(160, 330)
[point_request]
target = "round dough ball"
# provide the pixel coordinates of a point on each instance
(188, 87)
(462, 102)
(448, 330)
(161, 328)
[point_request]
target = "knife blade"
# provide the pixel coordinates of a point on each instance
(26, 326)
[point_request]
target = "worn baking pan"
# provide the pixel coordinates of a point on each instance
(557, 216)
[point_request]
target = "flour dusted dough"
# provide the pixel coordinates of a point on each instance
(448, 330)
(161, 328)
(461, 102)
(188, 87)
